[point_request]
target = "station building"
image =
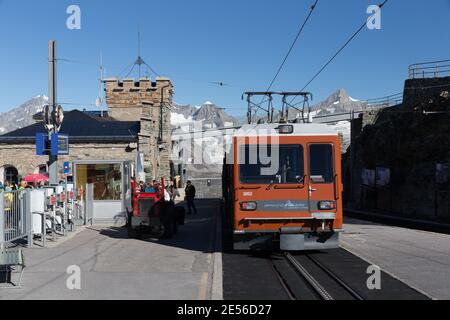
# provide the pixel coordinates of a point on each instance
(137, 122)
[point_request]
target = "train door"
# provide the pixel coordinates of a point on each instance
(321, 178)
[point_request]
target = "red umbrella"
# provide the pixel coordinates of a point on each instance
(36, 178)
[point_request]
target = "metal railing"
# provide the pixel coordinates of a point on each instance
(15, 218)
(388, 101)
(20, 221)
(432, 69)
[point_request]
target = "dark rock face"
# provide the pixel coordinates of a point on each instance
(410, 140)
(213, 116)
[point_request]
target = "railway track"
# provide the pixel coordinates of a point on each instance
(304, 277)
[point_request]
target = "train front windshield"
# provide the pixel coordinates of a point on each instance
(280, 164)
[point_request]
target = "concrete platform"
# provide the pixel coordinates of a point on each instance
(114, 267)
(420, 259)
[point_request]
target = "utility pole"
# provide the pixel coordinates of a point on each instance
(52, 94)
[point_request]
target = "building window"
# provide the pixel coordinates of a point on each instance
(42, 169)
(11, 175)
(106, 178)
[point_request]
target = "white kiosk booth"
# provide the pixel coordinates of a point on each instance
(105, 189)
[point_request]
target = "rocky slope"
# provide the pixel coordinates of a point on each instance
(21, 116)
(210, 115)
(339, 102)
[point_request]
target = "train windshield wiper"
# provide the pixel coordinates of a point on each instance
(250, 188)
(299, 185)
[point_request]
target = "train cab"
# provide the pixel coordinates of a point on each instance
(282, 187)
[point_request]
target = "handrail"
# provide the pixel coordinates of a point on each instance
(420, 70)
(392, 100)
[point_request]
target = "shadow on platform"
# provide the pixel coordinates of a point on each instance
(198, 234)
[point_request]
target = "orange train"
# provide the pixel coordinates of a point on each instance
(282, 187)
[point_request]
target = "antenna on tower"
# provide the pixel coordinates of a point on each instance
(139, 60)
(99, 101)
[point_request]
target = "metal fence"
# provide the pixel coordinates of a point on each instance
(385, 102)
(432, 69)
(21, 221)
(15, 218)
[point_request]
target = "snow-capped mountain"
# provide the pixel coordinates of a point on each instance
(210, 115)
(21, 116)
(339, 102)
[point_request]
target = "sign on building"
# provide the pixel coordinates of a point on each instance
(383, 177)
(42, 144)
(368, 177)
(56, 146)
(60, 144)
(66, 167)
(443, 173)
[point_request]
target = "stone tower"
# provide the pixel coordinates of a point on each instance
(149, 103)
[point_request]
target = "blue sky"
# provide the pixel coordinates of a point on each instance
(240, 43)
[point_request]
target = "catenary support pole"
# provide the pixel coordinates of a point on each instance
(52, 93)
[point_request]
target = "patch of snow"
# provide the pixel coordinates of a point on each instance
(178, 119)
(2, 130)
(354, 100)
(44, 97)
(210, 125)
(208, 103)
(336, 103)
(313, 114)
(20, 120)
(342, 127)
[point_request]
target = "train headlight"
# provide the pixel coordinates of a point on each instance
(286, 129)
(327, 205)
(248, 206)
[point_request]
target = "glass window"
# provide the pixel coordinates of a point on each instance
(289, 169)
(321, 163)
(11, 175)
(106, 178)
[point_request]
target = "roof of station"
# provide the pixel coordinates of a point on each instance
(81, 127)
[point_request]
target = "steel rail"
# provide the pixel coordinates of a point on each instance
(309, 278)
(350, 290)
(282, 282)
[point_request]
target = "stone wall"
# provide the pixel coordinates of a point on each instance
(426, 93)
(410, 140)
(150, 103)
(23, 157)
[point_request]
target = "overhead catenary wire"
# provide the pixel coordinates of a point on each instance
(302, 27)
(352, 37)
(283, 62)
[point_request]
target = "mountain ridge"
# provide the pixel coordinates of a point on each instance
(21, 116)
(208, 114)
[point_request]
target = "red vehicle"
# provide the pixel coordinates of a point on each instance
(151, 214)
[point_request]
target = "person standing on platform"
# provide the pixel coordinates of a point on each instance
(190, 196)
